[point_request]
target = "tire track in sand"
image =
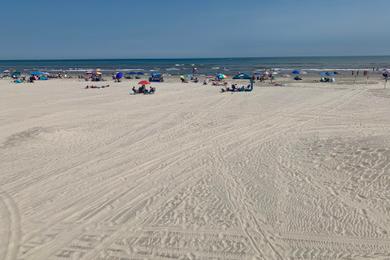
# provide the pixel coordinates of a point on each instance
(9, 227)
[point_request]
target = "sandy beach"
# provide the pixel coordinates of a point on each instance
(295, 172)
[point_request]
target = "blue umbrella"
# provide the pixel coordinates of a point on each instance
(242, 76)
(119, 75)
(221, 76)
(140, 73)
(296, 72)
(327, 74)
(36, 73)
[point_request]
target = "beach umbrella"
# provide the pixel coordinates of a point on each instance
(36, 73)
(16, 74)
(242, 76)
(140, 73)
(143, 82)
(6, 71)
(221, 76)
(386, 73)
(119, 75)
(327, 74)
(296, 72)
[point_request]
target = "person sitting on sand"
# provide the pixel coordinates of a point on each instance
(143, 90)
(233, 88)
(139, 90)
(151, 90)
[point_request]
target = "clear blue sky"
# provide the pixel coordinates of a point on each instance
(193, 28)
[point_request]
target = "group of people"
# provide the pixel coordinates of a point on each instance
(235, 88)
(144, 90)
(356, 73)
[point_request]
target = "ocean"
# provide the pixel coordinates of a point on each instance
(204, 65)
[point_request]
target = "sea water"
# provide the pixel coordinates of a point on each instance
(206, 66)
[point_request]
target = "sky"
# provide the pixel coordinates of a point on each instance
(92, 29)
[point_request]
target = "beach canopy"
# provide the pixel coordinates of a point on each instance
(37, 73)
(16, 74)
(132, 73)
(327, 74)
(143, 82)
(242, 76)
(140, 73)
(296, 72)
(119, 75)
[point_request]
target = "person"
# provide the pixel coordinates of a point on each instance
(183, 80)
(233, 88)
(151, 90)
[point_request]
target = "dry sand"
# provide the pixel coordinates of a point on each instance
(297, 172)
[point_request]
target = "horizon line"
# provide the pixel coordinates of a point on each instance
(199, 58)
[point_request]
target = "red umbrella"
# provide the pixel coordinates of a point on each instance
(143, 82)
